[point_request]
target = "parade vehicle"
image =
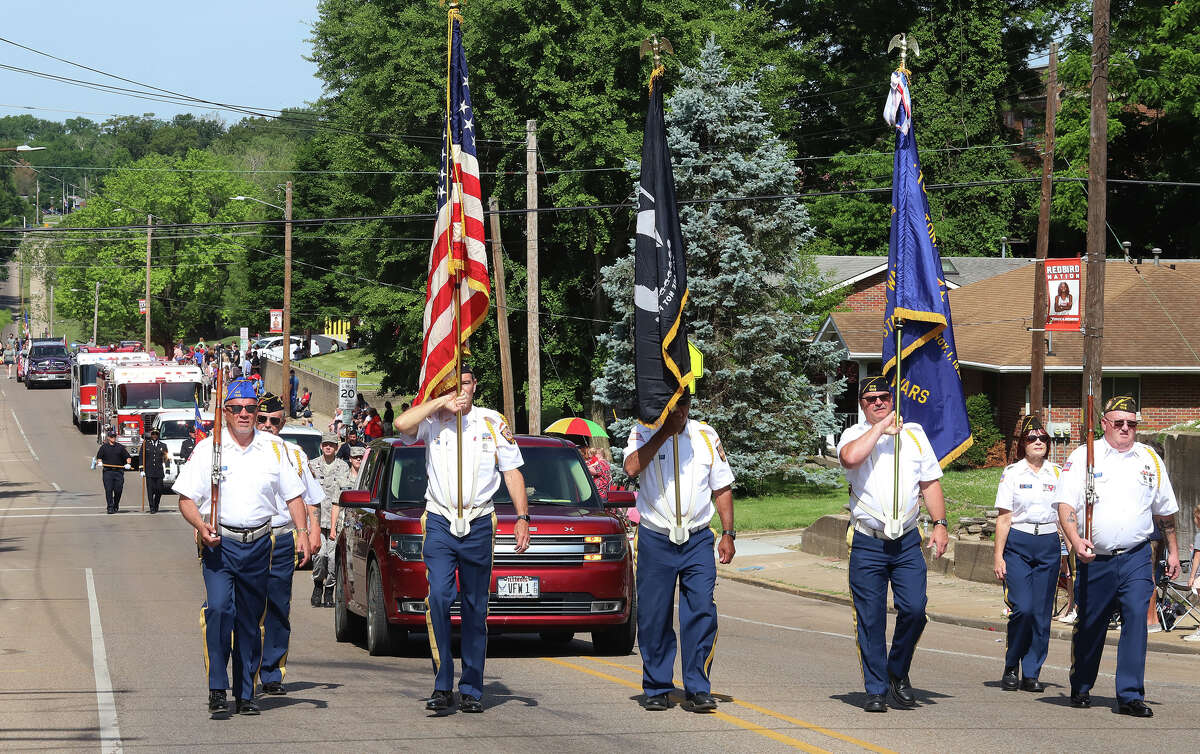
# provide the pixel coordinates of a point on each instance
(174, 427)
(23, 353)
(307, 438)
(576, 576)
(47, 363)
(83, 380)
(128, 396)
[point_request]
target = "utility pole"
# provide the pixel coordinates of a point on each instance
(1093, 316)
(1037, 348)
(149, 239)
(533, 335)
(96, 316)
(50, 313)
(287, 297)
(37, 202)
(506, 370)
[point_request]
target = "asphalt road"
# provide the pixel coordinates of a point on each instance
(100, 647)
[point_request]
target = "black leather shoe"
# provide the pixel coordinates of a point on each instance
(1136, 708)
(902, 692)
(274, 688)
(701, 701)
(317, 594)
(875, 703)
(217, 701)
(1032, 684)
(439, 700)
(1009, 681)
(328, 602)
(656, 703)
(468, 703)
(1081, 701)
(246, 707)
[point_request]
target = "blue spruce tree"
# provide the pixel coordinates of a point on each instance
(751, 309)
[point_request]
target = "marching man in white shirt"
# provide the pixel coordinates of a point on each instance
(705, 481)
(1132, 491)
(236, 556)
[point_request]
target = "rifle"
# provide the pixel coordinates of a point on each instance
(215, 495)
(1089, 479)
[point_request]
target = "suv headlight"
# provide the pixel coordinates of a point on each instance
(405, 546)
(604, 547)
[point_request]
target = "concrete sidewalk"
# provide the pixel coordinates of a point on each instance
(773, 560)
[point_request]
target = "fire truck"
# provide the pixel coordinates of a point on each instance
(83, 380)
(128, 396)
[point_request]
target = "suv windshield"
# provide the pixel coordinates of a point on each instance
(180, 429)
(309, 443)
(43, 351)
(553, 476)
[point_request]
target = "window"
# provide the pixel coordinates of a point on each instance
(43, 351)
(87, 373)
(554, 476)
(179, 394)
(406, 486)
(140, 396)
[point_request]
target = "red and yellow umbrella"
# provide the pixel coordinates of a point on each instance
(576, 426)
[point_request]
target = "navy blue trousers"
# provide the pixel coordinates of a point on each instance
(874, 563)
(660, 566)
(1119, 581)
(471, 559)
(277, 627)
(114, 483)
(235, 580)
(1033, 562)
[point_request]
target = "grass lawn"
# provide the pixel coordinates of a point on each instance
(968, 493)
(6, 318)
(328, 365)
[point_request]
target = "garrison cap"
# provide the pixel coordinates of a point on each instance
(239, 389)
(1031, 424)
(874, 384)
(269, 402)
(1121, 403)
(330, 438)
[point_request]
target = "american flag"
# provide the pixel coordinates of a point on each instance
(198, 423)
(458, 255)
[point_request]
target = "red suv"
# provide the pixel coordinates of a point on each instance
(577, 574)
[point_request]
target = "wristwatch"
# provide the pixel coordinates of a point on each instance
(524, 517)
(942, 522)
(729, 533)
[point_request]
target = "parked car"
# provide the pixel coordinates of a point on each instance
(306, 437)
(174, 427)
(47, 363)
(577, 574)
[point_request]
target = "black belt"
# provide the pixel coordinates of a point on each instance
(1118, 551)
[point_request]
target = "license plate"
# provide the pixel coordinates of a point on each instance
(517, 587)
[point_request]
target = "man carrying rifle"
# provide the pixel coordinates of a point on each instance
(251, 473)
(1132, 491)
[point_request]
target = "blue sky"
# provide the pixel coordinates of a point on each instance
(247, 53)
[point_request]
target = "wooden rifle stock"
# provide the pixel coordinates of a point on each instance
(213, 511)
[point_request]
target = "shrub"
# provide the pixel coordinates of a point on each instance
(984, 429)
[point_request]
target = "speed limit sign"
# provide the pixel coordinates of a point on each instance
(347, 392)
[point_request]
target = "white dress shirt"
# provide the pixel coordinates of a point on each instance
(1029, 494)
(313, 494)
(1131, 488)
(871, 485)
(252, 479)
(703, 468)
(488, 449)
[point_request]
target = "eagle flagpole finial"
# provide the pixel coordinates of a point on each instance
(656, 45)
(905, 44)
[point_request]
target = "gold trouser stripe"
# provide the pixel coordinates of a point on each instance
(433, 647)
(262, 636)
(204, 637)
(862, 670)
(712, 652)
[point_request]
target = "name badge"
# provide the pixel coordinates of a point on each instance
(1026, 486)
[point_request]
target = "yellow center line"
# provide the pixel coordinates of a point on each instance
(795, 743)
(772, 713)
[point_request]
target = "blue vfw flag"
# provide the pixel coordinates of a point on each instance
(930, 391)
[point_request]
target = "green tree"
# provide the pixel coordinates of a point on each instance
(751, 290)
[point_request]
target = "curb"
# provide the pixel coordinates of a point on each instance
(983, 624)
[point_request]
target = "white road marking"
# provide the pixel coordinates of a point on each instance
(57, 488)
(110, 734)
(25, 437)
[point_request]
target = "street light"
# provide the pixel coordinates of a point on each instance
(22, 148)
(286, 209)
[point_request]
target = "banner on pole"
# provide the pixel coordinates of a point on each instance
(1062, 286)
(141, 306)
(277, 320)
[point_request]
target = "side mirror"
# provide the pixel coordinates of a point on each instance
(621, 499)
(357, 499)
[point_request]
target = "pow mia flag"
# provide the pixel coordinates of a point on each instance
(661, 359)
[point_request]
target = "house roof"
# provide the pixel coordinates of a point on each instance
(841, 271)
(1151, 313)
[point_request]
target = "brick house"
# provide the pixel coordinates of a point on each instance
(1151, 347)
(862, 278)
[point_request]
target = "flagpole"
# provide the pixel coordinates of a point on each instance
(894, 524)
(458, 527)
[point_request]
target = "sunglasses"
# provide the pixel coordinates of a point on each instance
(1122, 423)
(878, 398)
(275, 421)
(241, 409)
(1037, 438)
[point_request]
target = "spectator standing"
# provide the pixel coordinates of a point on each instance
(247, 367)
(601, 471)
(293, 392)
(389, 416)
(373, 427)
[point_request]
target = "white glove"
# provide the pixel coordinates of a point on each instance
(143, 474)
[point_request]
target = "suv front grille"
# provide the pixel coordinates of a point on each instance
(544, 550)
